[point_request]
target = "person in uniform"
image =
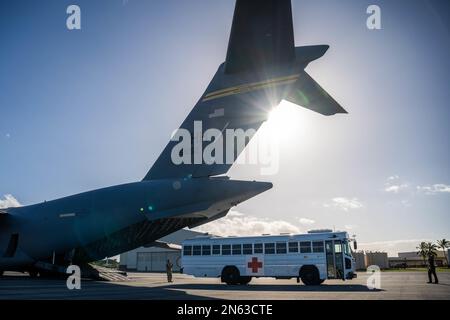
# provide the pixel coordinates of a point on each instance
(169, 267)
(432, 269)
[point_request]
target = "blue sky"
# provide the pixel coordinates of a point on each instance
(90, 108)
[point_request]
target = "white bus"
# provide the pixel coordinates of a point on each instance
(312, 257)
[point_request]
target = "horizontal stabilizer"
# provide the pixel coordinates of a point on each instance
(309, 94)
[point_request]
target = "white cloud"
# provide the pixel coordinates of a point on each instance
(8, 202)
(238, 224)
(434, 189)
(396, 188)
(345, 204)
(306, 221)
(350, 226)
(394, 185)
(392, 247)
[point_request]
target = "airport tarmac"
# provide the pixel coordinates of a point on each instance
(394, 285)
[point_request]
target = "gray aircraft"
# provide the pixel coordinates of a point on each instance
(262, 67)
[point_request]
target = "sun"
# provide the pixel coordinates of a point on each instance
(289, 125)
(287, 119)
(283, 116)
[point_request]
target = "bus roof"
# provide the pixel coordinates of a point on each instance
(264, 238)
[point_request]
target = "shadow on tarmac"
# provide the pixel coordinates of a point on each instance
(22, 287)
(275, 287)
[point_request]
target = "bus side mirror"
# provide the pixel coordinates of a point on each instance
(355, 245)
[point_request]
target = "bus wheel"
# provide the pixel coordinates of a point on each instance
(230, 275)
(245, 280)
(310, 275)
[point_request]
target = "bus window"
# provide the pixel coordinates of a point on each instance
(187, 251)
(305, 247)
(347, 249)
(247, 248)
(337, 246)
(216, 249)
(258, 248)
(317, 246)
(293, 246)
(237, 249)
(206, 250)
(269, 248)
(197, 250)
(226, 249)
(281, 247)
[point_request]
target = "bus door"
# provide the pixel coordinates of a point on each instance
(335, 264)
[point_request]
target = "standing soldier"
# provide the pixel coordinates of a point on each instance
(169, 267)
(431, 269)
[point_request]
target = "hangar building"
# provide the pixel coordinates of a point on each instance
(153, 258)
(413, 260)
(368, 258)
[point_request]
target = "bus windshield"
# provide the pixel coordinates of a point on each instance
(347, 249)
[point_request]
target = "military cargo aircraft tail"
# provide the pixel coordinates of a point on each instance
(262, 67)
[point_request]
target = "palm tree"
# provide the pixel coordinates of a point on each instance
(423, 251)
(444, 244)
(431, 249)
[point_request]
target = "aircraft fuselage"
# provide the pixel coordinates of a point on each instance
(56, 227)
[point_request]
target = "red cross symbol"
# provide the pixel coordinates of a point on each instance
(255, 264)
